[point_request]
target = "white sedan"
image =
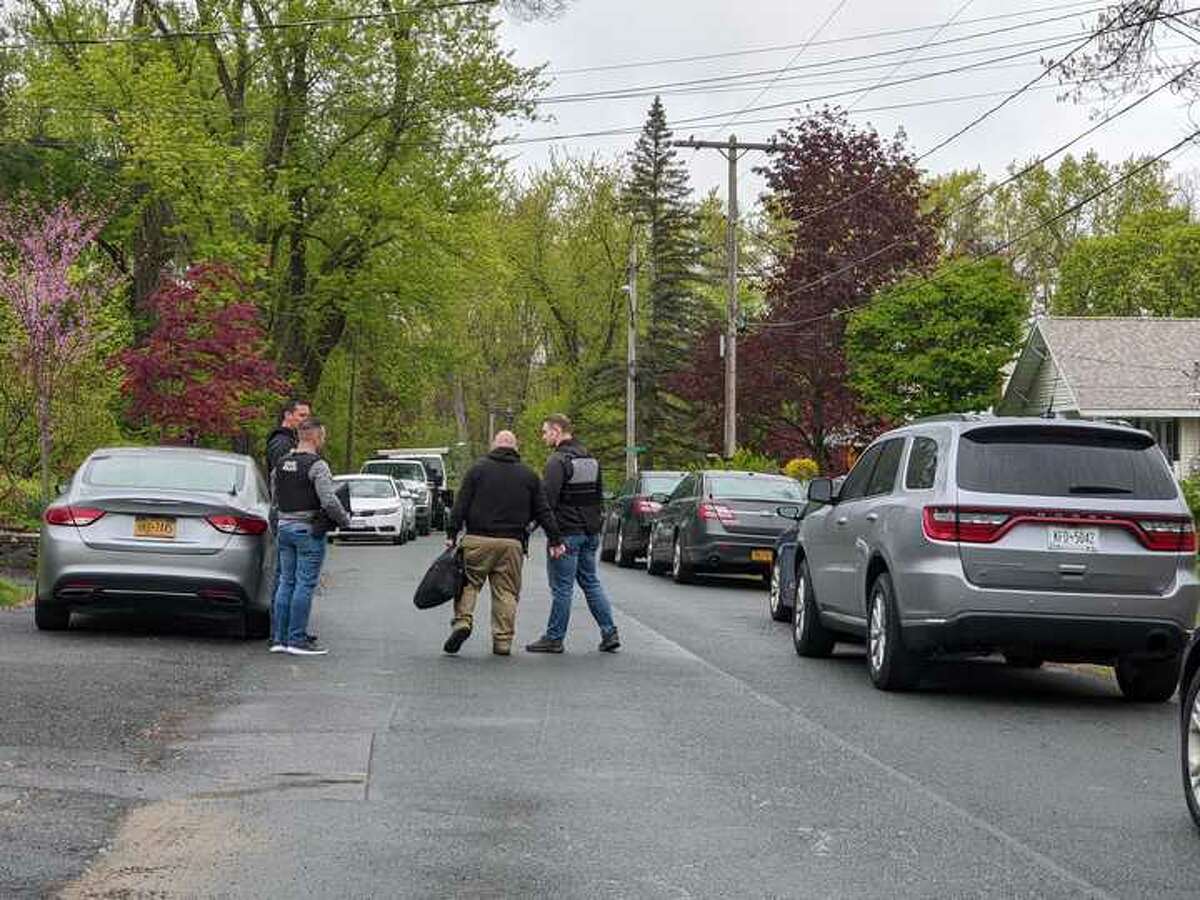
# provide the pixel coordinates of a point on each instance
(378, 511)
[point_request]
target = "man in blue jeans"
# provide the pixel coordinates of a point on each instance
(574, 490)
(303, 488)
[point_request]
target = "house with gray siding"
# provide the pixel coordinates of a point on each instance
(1143, 371)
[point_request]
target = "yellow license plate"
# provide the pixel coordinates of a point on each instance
(162, 529)
(761, 555)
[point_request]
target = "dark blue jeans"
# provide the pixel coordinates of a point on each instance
(301, 555)
(578, 566)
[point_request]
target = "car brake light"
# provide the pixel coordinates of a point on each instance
(645, 507)
(717, 511)
(968, 526)
(1168, 535)
(238, 524)
(80, 516)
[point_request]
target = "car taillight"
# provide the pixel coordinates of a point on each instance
(238, 524)
(968, 526)
(1168, 535)
(644, 507)
(80, 516)
(717, 511)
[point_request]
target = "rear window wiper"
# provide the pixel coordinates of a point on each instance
(1099, 489)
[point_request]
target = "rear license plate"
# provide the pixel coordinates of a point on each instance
(761, 555)
(1074, 540)
(156, 527)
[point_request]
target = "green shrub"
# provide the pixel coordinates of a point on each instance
(12, 594)
(746, 460)
(20, 504)
(1191, 493)
(802, 469)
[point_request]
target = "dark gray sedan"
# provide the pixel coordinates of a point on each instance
(172, 530)
(720, 521)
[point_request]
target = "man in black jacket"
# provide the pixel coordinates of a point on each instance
(498, 498)
(283, 439)
(575, 492)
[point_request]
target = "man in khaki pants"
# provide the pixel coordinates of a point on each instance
(497, 500)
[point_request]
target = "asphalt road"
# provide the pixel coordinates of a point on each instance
(703, 760)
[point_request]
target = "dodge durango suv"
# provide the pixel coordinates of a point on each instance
(1040, 539)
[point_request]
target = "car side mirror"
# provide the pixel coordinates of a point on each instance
(794, 513)
(822, 490)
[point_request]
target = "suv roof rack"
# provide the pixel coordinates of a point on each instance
(948, 417)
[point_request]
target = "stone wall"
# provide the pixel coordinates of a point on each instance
(18, 550)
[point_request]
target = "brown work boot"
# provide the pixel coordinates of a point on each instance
(502, 649)
(544, 645)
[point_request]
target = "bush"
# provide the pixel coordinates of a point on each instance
(802, 469)
(1191, 493)
(20, 504)
(747, 460)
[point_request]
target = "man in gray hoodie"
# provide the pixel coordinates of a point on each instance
(303, 488)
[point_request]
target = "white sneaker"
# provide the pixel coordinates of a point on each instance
(277, 648)
(308, 648)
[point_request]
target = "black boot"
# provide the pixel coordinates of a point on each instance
(610, 642)
(544, 645)
(456, 639)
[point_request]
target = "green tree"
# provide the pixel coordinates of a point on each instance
(936, 345)
(1150, 267)
(658, 195)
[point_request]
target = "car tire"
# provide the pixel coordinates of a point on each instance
(810, 637)
(653, 566)
(624, 558)
(775, 607)
(1189, 750)
(891, 665)
(606, 553)
(1148, 680)
(422, 530)
(680, 570)
(50, 617)
(256, 624)
(398, 540)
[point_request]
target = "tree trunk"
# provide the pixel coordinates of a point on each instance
(45, 434)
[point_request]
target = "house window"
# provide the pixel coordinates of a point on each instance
(1166, 432)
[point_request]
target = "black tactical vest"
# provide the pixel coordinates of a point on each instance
(294, 490)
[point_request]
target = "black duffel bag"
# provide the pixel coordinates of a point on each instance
(443, 582)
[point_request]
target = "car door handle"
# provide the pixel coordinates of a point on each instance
(843, 520)
(872, 517)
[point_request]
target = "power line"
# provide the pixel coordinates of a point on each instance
(900, 65)
(778, 48)
(205, 33)
(992, 251)
(812, 37)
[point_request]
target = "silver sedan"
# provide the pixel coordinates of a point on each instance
(173, 530)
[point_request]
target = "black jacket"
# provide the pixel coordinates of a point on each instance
(280, 443)
(499, 497)
(579, 508)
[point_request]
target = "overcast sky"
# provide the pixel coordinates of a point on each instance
(605, 33)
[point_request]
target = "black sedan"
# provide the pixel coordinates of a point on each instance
(629, 516)
(721, 522)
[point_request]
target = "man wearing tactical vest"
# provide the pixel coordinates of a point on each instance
(303, 487)
(575, 492)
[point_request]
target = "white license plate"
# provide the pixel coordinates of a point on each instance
(1073, 540)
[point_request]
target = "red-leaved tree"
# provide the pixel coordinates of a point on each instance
(203, 370)
(854, 201)
(52, 298)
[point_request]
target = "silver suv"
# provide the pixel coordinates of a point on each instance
(1041, 539)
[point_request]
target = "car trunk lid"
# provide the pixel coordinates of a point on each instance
(162, 523)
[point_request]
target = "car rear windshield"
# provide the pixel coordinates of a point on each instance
(750, 487)
(405, 471)
(1063, 462)
(371, 488)
(172, 472)
(660, 484)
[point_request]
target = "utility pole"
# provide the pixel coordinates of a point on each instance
(732, 151)
(631, 460)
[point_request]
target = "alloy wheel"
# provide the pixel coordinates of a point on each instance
(621, 544)
(1193, 749)
(774, 597)
(650, 552)
(801, 609)
(677, 559)
(877, 632)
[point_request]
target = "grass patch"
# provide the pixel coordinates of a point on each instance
(12, 594)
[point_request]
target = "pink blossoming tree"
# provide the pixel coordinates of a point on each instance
(53, 300)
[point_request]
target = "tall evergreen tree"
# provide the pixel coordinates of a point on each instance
(658, 196)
